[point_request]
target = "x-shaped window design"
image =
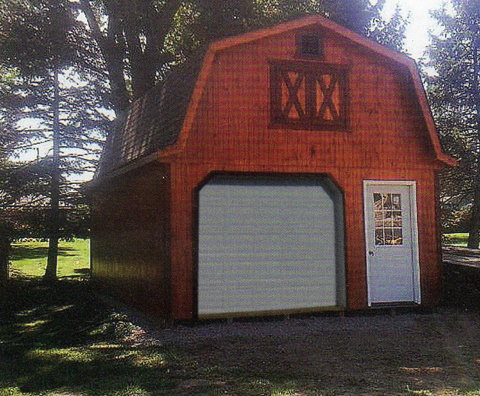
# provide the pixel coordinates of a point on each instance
(308, 95)
(327, 103)
(293, 97)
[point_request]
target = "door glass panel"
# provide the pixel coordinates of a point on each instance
(387, 209)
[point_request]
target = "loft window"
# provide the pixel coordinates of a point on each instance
(308, 95)
(309, 46)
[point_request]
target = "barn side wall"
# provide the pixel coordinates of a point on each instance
(130, 247)
(387, 139)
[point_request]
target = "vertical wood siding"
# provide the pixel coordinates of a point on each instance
(387, 140)
(145, 223)
(130, 244)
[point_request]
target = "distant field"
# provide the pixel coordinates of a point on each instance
(30, 258)
(458, 239)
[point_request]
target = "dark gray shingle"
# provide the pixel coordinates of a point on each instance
(153, 121)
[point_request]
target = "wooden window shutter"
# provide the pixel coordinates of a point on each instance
(308, 95)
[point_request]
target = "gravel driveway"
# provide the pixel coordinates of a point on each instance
(404, 354)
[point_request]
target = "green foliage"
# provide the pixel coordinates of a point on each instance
(37, 36)
(40, 38)
(453, 93)
(215, 20)
(23, 187)
(390, 33)
(48, 37)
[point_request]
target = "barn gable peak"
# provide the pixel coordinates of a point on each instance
(157, 125)
(324, 24)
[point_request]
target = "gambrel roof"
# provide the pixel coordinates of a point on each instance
(152, 121)
(158, 124)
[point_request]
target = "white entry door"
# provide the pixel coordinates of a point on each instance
(391, 242)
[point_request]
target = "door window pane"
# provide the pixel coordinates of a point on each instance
(379, 237)
(387, 209)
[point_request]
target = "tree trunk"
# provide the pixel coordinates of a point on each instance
(113, 52)
(5, 246)
(474, 231)
(51, 270)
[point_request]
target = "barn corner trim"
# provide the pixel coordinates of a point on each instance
(396, 57)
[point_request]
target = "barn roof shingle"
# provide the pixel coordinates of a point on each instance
(153, 121)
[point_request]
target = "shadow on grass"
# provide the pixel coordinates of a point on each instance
(34, 252)
(62, 338)
(461, 287)
(82, 271)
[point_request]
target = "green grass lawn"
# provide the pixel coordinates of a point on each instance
(457, 239)
(30, 258)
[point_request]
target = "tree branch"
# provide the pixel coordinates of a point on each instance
(113, 54)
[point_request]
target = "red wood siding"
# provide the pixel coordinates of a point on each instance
(183, 243)
(233, 119)
(130, 245)
(387, 140)
(144, 228)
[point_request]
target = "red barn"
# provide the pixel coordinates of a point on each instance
(292, 169)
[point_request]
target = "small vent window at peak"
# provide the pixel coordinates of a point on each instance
(310, 46)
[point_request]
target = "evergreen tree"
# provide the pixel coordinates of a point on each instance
(54, 97)
(23, 189)
(454, 94)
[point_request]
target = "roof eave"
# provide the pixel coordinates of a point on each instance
(138, 163)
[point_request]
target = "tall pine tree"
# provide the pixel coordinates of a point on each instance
(54, 99)
(454, 93)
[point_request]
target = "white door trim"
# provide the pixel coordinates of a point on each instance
(413, 228)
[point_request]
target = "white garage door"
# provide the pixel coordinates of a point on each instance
(268, 244)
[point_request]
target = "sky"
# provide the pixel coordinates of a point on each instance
(421, 23)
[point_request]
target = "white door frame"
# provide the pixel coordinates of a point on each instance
(413, 228)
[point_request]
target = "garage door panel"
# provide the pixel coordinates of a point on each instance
(271, 242)
(265, 245)
(278, 280)
(247, 270)
(251, 300)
